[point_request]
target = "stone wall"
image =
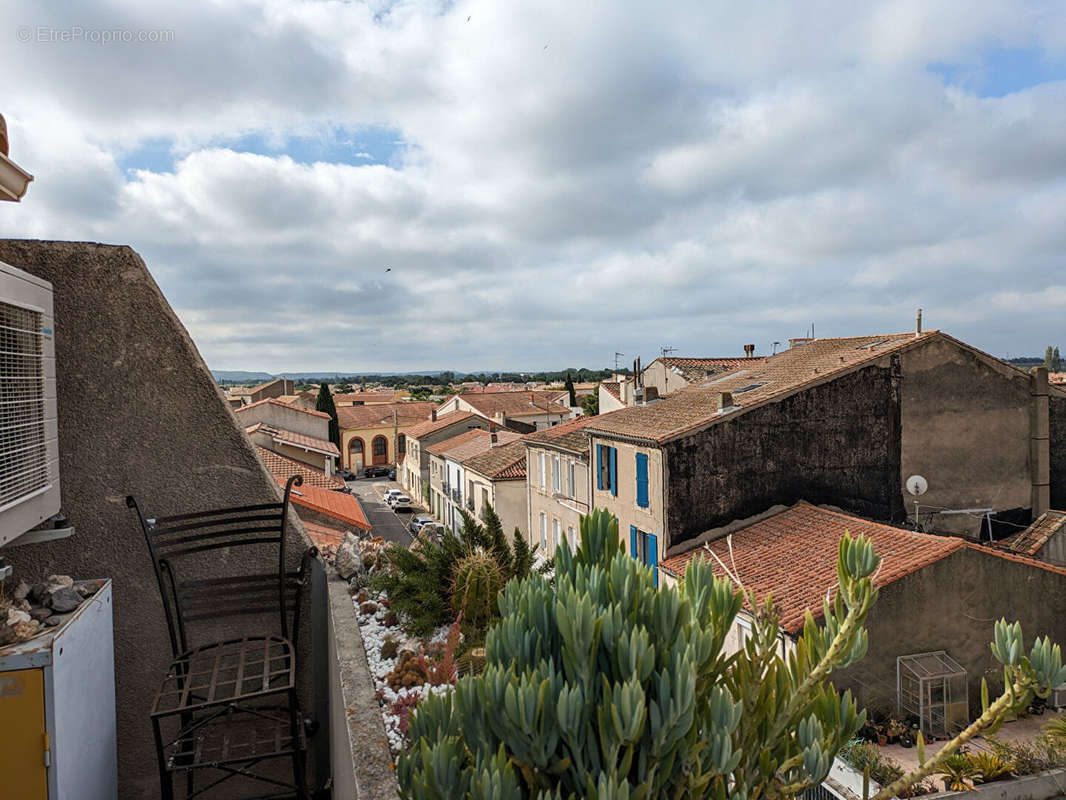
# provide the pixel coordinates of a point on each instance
(1057, 448)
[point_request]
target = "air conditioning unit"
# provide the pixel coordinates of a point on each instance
(29, 439)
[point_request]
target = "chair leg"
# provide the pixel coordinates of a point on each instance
(298, 771)
(166, 780)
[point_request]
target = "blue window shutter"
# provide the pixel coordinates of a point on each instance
(653, 556)
(633, 540)
(599, 467)
(614, 471)
(642, 480)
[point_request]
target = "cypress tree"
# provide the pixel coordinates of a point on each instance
(1049, 358)
(570, 389)
(326, 405)
(1056, 361)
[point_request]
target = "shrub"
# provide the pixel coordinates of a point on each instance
(988, 767)
(418, 581)
(957, 770)
(369, 607)
(1029, 758)
(862, 755)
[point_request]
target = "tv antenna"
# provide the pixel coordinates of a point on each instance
(917, 486)
(617, 360)
(665, 350)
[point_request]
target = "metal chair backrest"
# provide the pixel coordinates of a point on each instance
(171, 539)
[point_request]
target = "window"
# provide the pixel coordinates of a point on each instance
(642, 480)
(381, 446)
(555, 533)
(743, 632)
(557, 478)
(401, 443)
(570, 537)
(607, 468)
(543, 473)
(570, 479)
(543, 532)
(644, 547)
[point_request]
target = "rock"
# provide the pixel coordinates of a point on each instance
(86, 588)
(40, 614)
(26, 630)
(64, 599)
(348, 561)
(61, 581)
(22, 591)
(52, 621)
(39, 593)
(15, 616)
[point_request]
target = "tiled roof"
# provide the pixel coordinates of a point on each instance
(365, 397)
(282, 436)
(766, 380)
(282, 467)
(515, 404)
(470, 443)
(339, 505)
(1029, 541)
(504, 462)
(380, 416)
(275, 401)
(613, 388)
(793, 555)
(693, 369)
(326, 539)
(1056, 378)
(569, 435)
(442, 421)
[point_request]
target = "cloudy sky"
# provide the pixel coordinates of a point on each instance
(552, 182)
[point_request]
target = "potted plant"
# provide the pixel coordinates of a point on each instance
(956, 772)
(895, 729)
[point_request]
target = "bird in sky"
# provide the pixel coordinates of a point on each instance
(388, 269)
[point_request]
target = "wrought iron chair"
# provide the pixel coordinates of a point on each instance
(234, 702)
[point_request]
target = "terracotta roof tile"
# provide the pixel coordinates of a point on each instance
(503, 463)
(282, 467)
(380, 416)
(694, 369)
(793, 555)
(339, 505)
(777, 375)
(442, 421)
(364, 397)
(282, 436)
(1029, 541)
(326, 539)
(613, 388)
(514, 404)
(569, 435)
(275, 401)
(470, 443)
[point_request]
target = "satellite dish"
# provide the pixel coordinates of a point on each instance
(917, 485)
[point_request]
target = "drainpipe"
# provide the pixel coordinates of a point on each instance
(1039, 457)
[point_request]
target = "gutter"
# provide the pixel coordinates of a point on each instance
(14, 180)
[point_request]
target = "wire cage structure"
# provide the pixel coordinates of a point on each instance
(933, 687)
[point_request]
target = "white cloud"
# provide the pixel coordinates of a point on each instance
(571, 179)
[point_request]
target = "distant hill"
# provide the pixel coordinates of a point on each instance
(241, 376)
(238, 376)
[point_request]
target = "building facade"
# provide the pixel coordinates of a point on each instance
(377, 434)
(414, 475)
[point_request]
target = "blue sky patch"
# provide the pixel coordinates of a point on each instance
(1003, 71)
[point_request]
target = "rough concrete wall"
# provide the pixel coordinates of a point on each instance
(512, 506)
(837, 444)
(965, 428)
(138, 414)
(1057, 449)
(953, 605)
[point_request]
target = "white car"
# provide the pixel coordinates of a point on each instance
(390, 494)
(401, 502)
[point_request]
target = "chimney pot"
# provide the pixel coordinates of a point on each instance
(749, 350)
(918, 324)
(493, 438)
(433, 415)
(725, 400)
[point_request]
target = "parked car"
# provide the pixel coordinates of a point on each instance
(432, 530)
(401, 502)
(375, 472)
(392, 474)
(345, 474)
(417, 523)
(390, 494)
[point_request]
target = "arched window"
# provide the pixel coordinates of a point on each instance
(380, 448)
(355, 453)
(355, 446)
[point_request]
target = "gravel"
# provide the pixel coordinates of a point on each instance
(374, 631)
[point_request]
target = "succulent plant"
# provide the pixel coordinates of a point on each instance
(476, 588)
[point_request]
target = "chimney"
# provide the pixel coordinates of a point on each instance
(725, 401)
(749, 350)
(433, 415)
(918, 324)
(651, 394)
(494, 439)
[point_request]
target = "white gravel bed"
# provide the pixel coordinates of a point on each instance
(373, 628)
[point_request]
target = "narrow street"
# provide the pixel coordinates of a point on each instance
(389, 525)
